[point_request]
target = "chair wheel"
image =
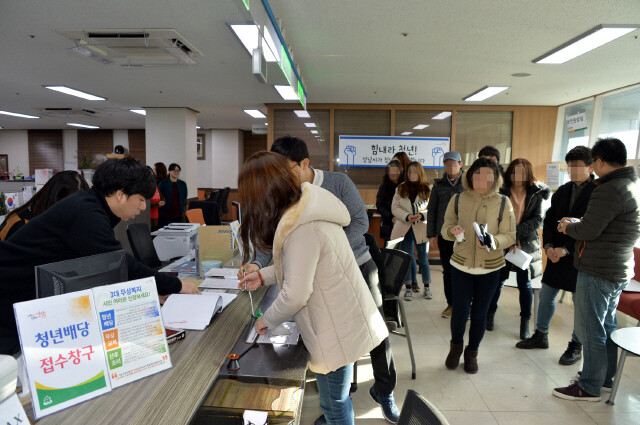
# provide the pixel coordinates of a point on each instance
(354, 388)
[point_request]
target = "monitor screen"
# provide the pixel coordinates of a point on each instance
(81, 273)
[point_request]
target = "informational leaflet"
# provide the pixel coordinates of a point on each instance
(12, 412)
(62, 347)
(132, 330)
(79, 345)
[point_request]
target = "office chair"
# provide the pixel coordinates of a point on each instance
(210, 211)
(141, 242)
(195, 216)
(222, 201)
(418, 410)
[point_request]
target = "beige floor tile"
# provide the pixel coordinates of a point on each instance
(546, 418)
(616, 418)
(455, 417)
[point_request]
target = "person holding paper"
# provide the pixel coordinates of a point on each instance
(476, 270)
(79, 225)
(317, 273)
(526, 196)
(570, 200)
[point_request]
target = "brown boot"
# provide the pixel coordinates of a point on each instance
(470, 360)
(453, 359)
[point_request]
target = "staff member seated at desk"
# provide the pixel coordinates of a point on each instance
(77, 226)
(320, 282)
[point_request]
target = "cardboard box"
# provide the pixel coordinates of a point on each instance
(216, 243)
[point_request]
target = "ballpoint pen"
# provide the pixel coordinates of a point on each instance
(253, 313)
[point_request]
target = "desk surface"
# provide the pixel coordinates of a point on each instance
(627, 339)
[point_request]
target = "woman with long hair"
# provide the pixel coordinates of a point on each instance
(61, 185)
(387, 189)
(526, 196)
(404, 161)
(409, 206)
(319, 280)
(160, 171)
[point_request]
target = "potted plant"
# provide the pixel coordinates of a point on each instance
(17, 174)
(3, 208)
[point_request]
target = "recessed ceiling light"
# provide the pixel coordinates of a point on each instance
(317, 137)
(266, 123)
(521, 74)
(310, 124)
(248, 36)
(421, 126)
(314, 131)
(442, 115)
(138, 111)
(82, 125)
(198, 127)
(287, 92)
(255, 113)
(406, 133)
(484, 93)
(74, 92)
(15, 114)
(592, 39)
(302, 114)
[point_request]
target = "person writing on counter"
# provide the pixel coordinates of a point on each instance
(317, 273)
(77, 226)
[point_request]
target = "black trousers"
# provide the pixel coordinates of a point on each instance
(384, 369)
(446, 251)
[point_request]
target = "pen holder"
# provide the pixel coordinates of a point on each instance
(233, 362)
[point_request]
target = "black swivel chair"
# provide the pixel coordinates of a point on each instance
(222, 202)
(418, 410)
(139, 236)
(210, 211)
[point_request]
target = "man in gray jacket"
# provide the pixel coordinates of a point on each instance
(605, 237)
(341, 186)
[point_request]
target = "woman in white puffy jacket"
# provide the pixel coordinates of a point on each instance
(409, 206)
(314, 266)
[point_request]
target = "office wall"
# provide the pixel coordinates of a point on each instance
(15, 143)
(227, 155)
(205, 166)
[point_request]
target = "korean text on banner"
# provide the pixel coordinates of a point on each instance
(377, 151)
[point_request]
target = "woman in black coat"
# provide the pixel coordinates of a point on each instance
(392, 177)
(526, 196)
(570, 200)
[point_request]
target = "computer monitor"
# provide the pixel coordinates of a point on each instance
(81, 273)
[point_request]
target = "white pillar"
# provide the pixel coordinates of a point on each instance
(171, 137)
(121, 137)
(227, 152)
(70, 145)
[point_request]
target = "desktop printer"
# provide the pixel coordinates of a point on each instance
(176, 240)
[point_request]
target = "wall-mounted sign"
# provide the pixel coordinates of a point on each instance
(258, 129)
(577, 122)
(377, 151)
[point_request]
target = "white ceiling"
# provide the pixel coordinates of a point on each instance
(347, 51)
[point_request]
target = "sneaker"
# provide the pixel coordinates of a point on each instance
(447, 311)
(427, 293)
(388, 405)
(574, 392)
(408, 294)
(415, 287)
(572, 354)
(538, 340)
(604, 388)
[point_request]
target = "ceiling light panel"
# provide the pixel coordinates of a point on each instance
(75, 124)
(287, 92)
(310, 124)
(302, 114)
(255, 113)
(442, 115)
(421, 126)
(138, 111)
(485, 93)
(74, 92)
(15, 114)
(248, 36)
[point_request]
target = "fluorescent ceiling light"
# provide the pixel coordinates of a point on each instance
(442, 115)
(287, 92)
(266, 123)
(302, 114)
(15, 114)
(198, 127)
(484, 93)
(255, 113)
(592, 39)
(248, 35)
(82, 125)
(314, 131)
(74, 92)
(138, 111)
(317, 137)
(310, 124)
(421, 126)
(406, 133)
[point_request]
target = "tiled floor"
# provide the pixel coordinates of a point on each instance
(512, 387)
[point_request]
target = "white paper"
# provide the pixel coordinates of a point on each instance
(286, 333)
(633, 286)
(553, 176)
(216, 283)
(189, 311)
(12, 412)
(223, 272)
(519, 259)
(255, 417)
(226, 298)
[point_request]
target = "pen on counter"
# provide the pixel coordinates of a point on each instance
(253, 313)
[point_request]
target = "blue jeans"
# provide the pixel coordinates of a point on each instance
(525, 291)
(407, 246)
(595, 319)
(547, 308)
(471, 293)
(334, 395)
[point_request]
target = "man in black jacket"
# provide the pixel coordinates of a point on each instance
(77, 226)
(570, 200)
(604, 258)
(441, 193)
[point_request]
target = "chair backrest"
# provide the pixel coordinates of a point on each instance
(393, 273)
(210, 211)
(417, 410)
(222, 202)
(376, 255)
(195, 216)
(139, 236)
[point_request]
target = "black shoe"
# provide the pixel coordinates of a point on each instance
(572, 354)
(490, 316)
(538, 340)
(524, 329)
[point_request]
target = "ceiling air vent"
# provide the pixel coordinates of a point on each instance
(67, 112)
(134, 47)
